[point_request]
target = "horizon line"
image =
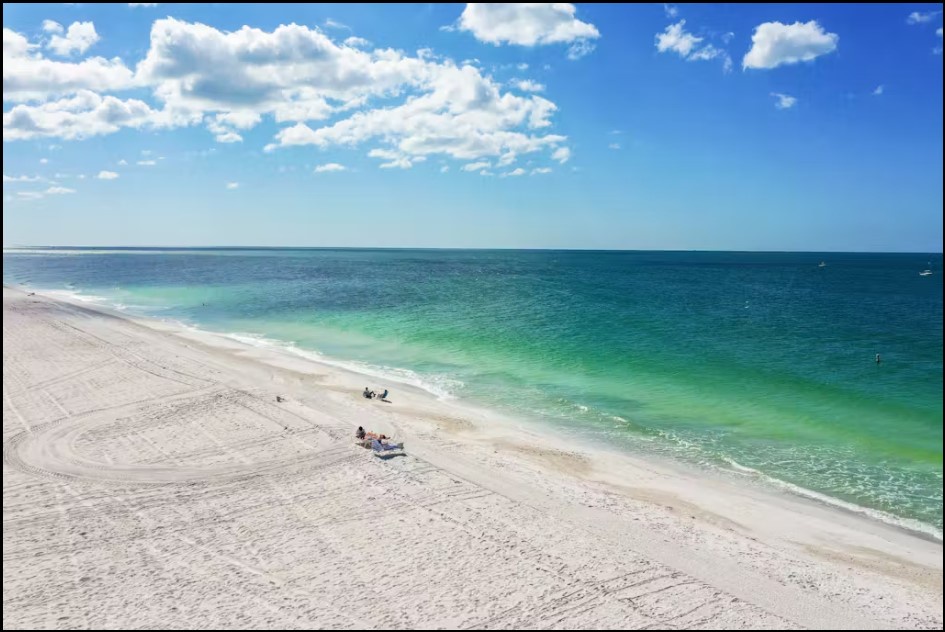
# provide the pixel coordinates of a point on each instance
(464, 248)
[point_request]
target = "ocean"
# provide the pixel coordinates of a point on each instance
(761, 364)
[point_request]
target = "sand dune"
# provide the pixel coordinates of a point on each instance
(151, 479)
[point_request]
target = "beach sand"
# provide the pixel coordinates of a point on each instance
(151, 479)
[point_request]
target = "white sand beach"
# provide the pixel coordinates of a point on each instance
(151, 479)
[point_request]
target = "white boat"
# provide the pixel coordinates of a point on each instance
(823, 264)
(925, 273)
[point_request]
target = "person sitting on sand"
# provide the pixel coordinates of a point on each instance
(384, 394)
(366, 392)
(360, 433)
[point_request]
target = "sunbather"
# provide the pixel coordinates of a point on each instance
(379, 446)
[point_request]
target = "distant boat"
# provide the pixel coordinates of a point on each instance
(925, 273)
(823, 264)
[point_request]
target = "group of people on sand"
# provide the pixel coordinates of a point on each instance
(369, 394)
(375, 441)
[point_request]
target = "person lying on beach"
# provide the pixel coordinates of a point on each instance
(379, 446)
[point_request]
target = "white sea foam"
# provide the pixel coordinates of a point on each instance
(441, 386)
(875, 514)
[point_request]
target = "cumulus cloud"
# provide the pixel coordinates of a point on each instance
(232, 185)
(938, 49)
(879, 90)
(330, 167)
(514, 173)
(51, 26)
(357, 42)
(775, 44)
(526, 24)
(920, 18)
(82, 116)
(527, 85)
(7, 178)
(78, 38)
(784, 101)
(477, 166)
(106, 175)
(122, 162)
(670, 10)
(147, 163)
(677, 40)
(28, 76)
(541, 170)
(53, 190)
(561, 154)
(410, 106)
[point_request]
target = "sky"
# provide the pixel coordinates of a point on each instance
(679, 127)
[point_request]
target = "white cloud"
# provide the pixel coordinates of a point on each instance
(525, 24)
(784, 101)
(51, 26)
(938, 49)
(444, 168)
(232, 185)
(7, 178)
(329, 167)
(82, 116)
(580, 48)
(147, 163)
(27, 75)
(79, 38)
(613, 146)
(675, 39)
(106, 175)
(146, 152)
(879, 90)
(81, 176)
(30, 195)
(44, 161)
(775, 44)
(541, 170)
(527, 85)
(561, 154)
(514, 173)
(670, 10)
(58, 191)
(357, 42)
(335, 24)
(414, 106)
(920, 18)
(522, 66)
(477, 166)
(122, 162)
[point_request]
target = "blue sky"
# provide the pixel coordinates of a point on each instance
(769, 127)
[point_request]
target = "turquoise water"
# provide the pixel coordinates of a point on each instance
(757, 362)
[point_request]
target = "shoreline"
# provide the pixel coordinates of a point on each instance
(271, 349)
(805, 563)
